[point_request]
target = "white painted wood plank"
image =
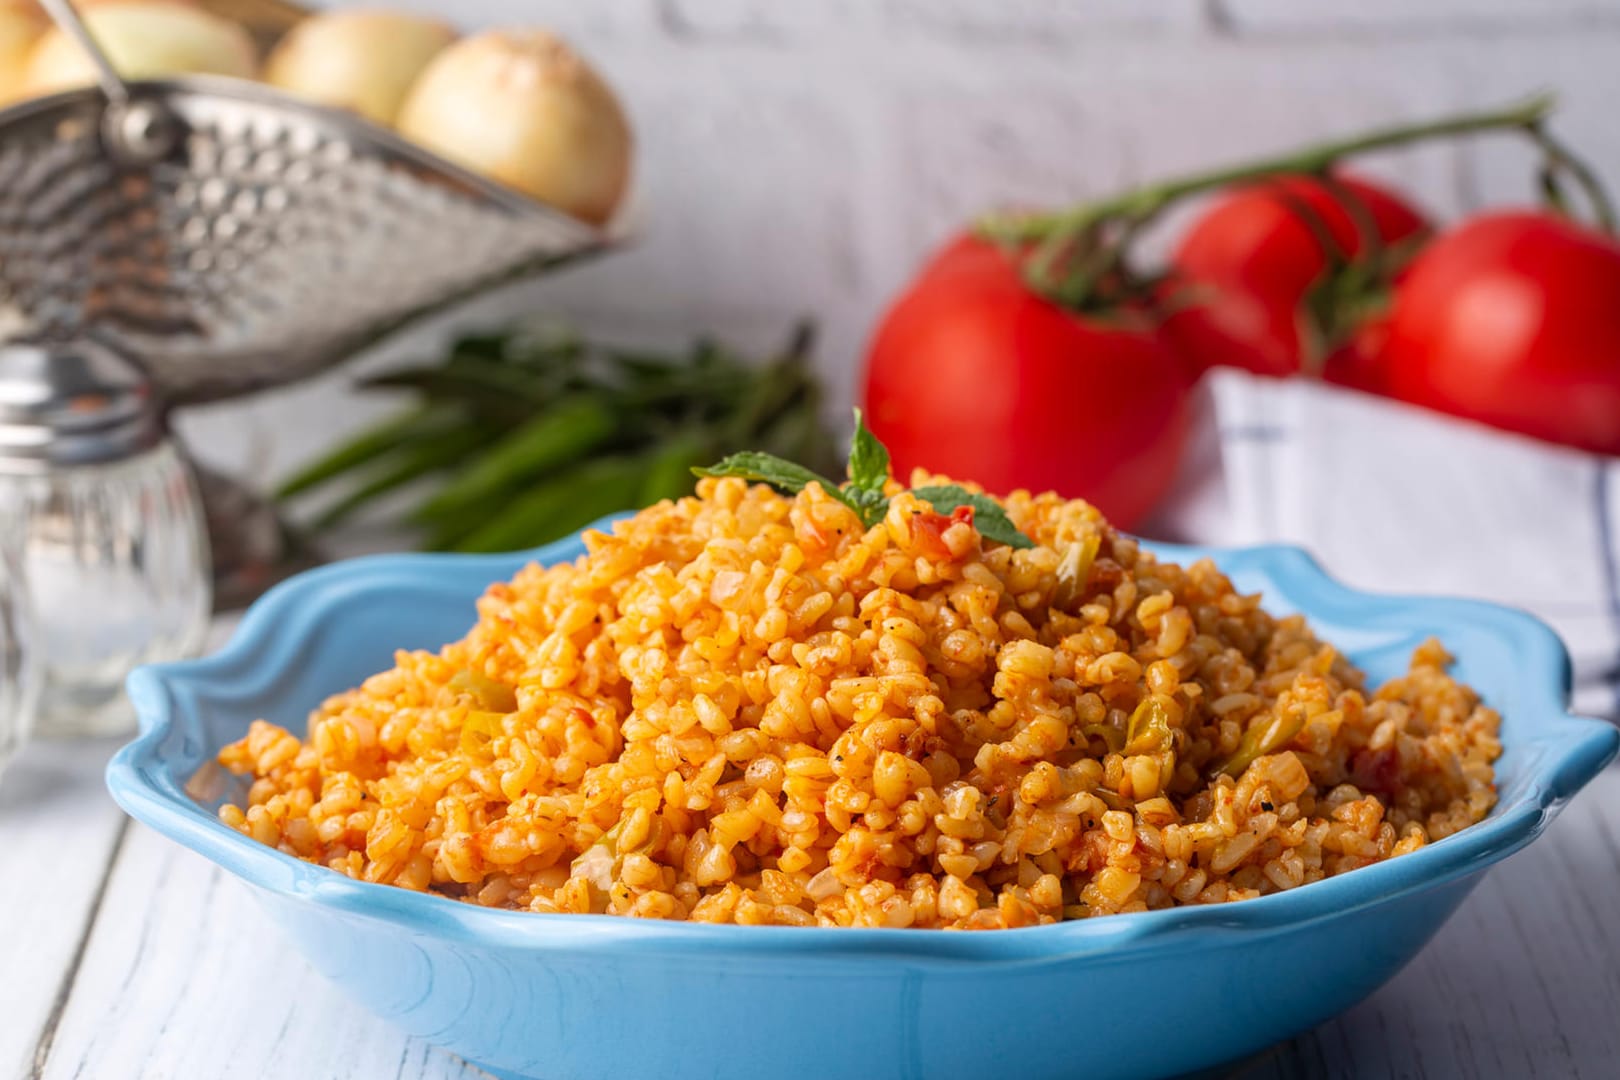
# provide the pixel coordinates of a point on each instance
(58, 828)
(1525, 981)
(184, 977)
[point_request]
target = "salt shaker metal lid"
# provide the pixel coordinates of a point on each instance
(68, 403)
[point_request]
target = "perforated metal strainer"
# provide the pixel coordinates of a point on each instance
(228, 237)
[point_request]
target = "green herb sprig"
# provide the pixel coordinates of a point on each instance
(863, 491)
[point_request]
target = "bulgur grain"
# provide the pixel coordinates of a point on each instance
(744, 707)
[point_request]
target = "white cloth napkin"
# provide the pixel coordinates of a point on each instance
(1391, 498)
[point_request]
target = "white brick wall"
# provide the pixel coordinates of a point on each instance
(1439, 15)
(800, 156)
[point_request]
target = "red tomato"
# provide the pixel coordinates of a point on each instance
(1249, 262)
(1359, 362)
(975, 376)
(1513, 318)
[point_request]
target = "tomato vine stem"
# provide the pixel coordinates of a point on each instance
(1559, 156)
(1142, 204)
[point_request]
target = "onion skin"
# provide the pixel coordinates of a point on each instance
(145, 39)
(522, 108)
(21, 25)
(362, 61)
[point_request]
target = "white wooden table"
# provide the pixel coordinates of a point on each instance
(123, 955)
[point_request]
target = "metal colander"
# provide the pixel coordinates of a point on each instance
(228, 237)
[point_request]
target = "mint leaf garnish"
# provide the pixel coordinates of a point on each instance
(868, 459)
(988, 516)
(868, 473)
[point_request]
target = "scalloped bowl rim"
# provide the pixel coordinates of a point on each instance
(143, 786)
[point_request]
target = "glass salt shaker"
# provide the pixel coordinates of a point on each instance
(107, 527)
(17, 666)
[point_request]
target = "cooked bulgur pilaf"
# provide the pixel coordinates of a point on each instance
(745, 707)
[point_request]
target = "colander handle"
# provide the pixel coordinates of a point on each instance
(133, 132)
(67, 17)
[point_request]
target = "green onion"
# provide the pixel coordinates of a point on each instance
(1074, 571)
(520, 436)
(490, 694)
(1149, 731)
(1265, 735)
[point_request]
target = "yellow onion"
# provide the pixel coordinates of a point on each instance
(523, 108)
(21, 24)
(364, 61)
(144, 39)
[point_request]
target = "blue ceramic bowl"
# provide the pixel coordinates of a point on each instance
(577, 997)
